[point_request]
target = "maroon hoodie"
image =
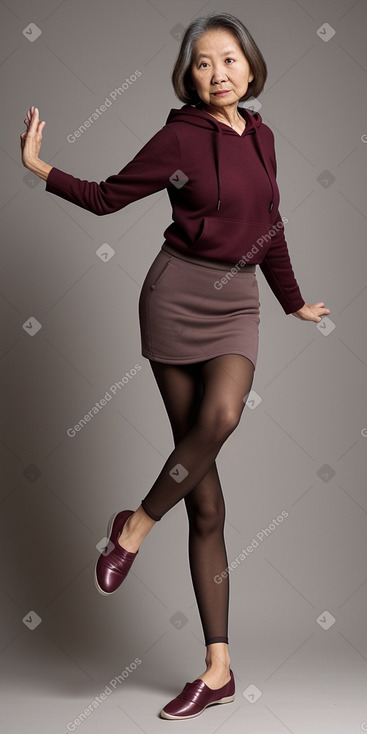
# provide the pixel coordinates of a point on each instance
(222, 188)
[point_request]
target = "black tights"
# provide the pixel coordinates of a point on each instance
(204, 402)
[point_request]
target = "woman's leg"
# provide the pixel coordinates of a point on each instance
(226, 381)
(182, 394)
(208, 558)
(208, 390)
(181, 390)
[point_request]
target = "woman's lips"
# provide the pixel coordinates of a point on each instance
(223, 92)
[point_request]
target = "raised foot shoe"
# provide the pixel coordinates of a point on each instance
(112, 567)
(197, 696)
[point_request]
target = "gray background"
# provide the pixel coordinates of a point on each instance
(301, 450)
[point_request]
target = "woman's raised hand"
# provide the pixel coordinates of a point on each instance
(31, 139)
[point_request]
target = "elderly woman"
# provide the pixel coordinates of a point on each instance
(199, 304)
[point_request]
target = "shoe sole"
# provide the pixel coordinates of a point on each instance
(226, 699)
(109, 529)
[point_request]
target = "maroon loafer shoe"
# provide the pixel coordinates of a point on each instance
(112, 567)
(197, 696)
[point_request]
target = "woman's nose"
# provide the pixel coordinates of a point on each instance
(218, 78)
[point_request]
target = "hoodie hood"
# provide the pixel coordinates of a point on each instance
(197, 116)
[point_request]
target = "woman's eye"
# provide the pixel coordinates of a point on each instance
(206, 63)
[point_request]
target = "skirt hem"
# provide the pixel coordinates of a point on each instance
(192, 360)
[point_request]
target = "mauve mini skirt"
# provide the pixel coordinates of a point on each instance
(194, 309)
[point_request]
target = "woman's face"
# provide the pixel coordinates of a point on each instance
(219, 63)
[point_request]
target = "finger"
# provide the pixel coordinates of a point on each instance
(39, 130)
(34, 121)
(40, 126)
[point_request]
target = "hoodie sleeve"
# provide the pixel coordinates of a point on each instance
(149, 171)
(278, 271)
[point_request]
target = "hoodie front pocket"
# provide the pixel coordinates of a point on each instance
(219, 236)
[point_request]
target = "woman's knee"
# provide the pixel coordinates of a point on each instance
(206, 518)
(219, 423)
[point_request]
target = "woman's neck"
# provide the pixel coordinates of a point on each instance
(234, 119)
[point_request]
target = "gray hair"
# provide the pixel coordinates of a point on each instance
(181, 77)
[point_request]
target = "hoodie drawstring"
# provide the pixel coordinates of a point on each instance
(218, 141)
(258, 143)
